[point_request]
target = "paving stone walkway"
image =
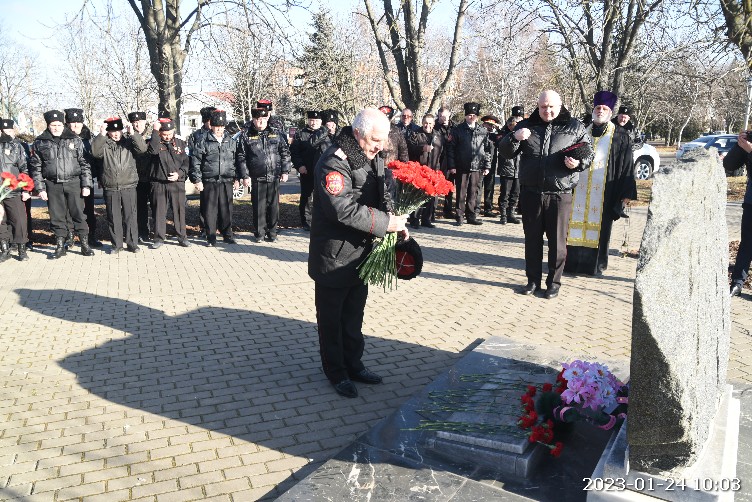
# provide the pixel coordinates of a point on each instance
(193, 374)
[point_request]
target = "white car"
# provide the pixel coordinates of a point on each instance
(646, 161)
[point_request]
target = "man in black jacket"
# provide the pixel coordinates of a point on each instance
(468, 160)
(396, 147)
(547, 177)
(509, 185)
(13, 223)
(741, 155)
(169, 169)
(487, 182)
(119, 178)
(304, 156)
(349, 211)
(143, 166)
(74, 120)
(425, 146)
(264, 156)
(443, 128)
(62, 176)
(323, 137)
(213, 172)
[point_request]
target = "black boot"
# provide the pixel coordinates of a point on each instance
(60, 248)
(69, 240)
(511, 218)
(85, 248)
(503, 218)
(4, 250)
(22, 252)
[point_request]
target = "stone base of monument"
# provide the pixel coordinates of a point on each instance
(712, 478)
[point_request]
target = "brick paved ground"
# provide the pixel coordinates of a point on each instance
(146, 377)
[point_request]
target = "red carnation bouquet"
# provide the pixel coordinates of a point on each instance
(10, 183)
(416, 184)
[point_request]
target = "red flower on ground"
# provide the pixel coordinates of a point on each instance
(547, 387)
(556, 450)
(531, 390)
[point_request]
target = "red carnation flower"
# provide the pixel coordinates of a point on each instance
(547, 387)
(25, 178)
(531, 390)
(556, 450)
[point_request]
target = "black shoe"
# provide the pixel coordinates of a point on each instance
(552, 291)
(229, 239)
(511, 218)
(428, 224)
(475, 222)
(116, 250)
(212, 240)
(60, 249)
(85, 246)
(143, 239)
(346, 388)
(30, 246)
(459, 221)
(366, 376)
(4, 250)
(184, 243)
(134, 249)
(257, 237)
(306, 227)
(736, 290)
(270, 238)
(22, 256)
(529, 289)
(488, 214)
(96, 244)
(503, 220)
(156, 244)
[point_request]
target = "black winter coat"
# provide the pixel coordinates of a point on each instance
(320, 140)
(170, 157)
(212, 161)
(13, 158)
(541, 158)
(620, 180)
(735, 159)
(417, 140)
(396, 148)
(118, 160)
(143, 160)
(468, 150)
(263, 154)
(60, 159)
(302, 152)
(349, 211)
(507, 168)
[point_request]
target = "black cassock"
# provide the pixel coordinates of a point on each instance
(620, 184)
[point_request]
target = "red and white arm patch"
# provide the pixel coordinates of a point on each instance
(335, 183)
(373, 220)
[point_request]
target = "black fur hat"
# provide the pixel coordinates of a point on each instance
(134, 116)
(73, 115)
(53, 116)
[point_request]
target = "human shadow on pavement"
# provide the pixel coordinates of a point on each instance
(447, 228)
(248, 374)
(450, 256)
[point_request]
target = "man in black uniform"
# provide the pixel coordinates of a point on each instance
(443, 128)
(143, 166)
(168, 173)
(303, 155)
(63, 178)
(488, 180)
(349, 210)
(74, 120)
(547, 177)
(264, 156)
(13, 223)
(213, 172)
(623, 118)
(323, 137)
(509, 185)
(468, 160)
(119, 179)
(425, 146)
(396, 147)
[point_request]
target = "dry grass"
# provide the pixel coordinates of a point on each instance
(737, 186)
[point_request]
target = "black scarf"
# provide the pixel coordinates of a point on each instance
(349, 145)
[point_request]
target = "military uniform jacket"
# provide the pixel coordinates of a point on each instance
(507, 168)
(13, 157)
(541, 158)
(263, 154)
(420, 138)
(143, 160)
(302, 152)
(118, 160)
(166, 158)
(321, 140)
(467, 151)
(212, 161)
(60, 159)
(349, 203)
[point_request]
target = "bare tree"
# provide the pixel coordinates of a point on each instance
(400, 36)
(18, 77)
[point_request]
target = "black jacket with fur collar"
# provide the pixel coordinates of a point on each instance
(541, 158)
(59, 159)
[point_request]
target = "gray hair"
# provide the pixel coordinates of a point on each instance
(367, 119)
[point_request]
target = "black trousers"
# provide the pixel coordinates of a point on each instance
(13, 225)
(306, 199)
(339, 316)
(545, 213)
(30, 234)
(449, 198)
(143, 194)
(65, 203)
(744, 255)
(121, 210)
(174, 194)
(467, 193)
(509, 193)
(265, 199)
(489, 184)
(216, 207)
(91, 217)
